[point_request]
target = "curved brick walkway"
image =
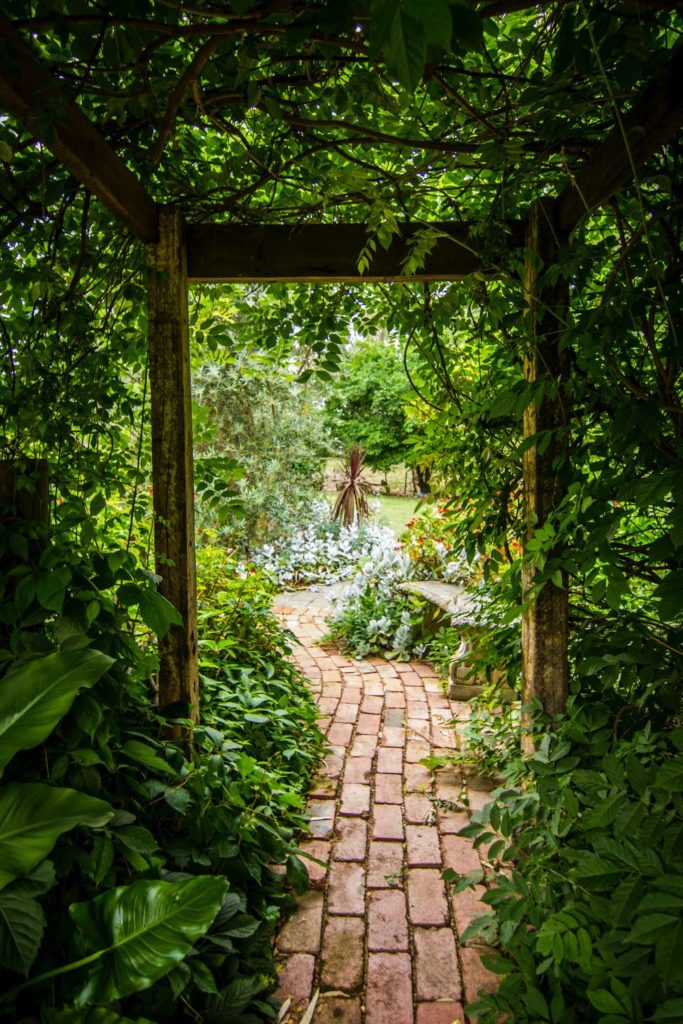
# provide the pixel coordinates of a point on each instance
(378, 934)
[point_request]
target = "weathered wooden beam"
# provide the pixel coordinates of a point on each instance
(653, 120)
(30, 93)
(169, 367)
(545, 620)
(329, 252)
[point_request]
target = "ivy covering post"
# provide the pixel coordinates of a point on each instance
(545, 621)
(169, 368)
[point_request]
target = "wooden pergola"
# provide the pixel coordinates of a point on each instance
(180, 254)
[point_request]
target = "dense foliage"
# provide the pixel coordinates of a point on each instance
(375, 113)
(586, 858)
(366, 404)
(260, 445)
(202, 832)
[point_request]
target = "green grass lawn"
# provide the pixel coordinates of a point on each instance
(395, 512)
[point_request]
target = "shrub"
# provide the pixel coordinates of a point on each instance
(322, 551)
(373, 615)
(586, 877)
(157, 829)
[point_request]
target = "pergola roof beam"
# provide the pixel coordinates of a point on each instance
(29, 92)
(327, 253)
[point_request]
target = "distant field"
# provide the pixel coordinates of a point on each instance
(395, 512)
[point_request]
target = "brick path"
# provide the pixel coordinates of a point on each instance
(378, 933)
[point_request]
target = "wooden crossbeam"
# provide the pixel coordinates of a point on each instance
(29, 92)
(323, 253)
(655, 117)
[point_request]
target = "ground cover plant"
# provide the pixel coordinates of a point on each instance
(373, 614)
(322, 551)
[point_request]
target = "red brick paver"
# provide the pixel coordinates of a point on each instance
(377, 937)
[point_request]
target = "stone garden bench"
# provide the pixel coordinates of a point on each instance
(461, 609)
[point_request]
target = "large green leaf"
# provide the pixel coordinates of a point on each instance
(669, 956)
(155, 611)
(22, 924)
(32, 817)
(34, 697)
(141, 931)
(399, 35)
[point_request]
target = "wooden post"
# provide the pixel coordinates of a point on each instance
(169, 361)
(545, 622)
(24, 488)
(24, 499)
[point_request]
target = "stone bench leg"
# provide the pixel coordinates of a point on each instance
(464, 685)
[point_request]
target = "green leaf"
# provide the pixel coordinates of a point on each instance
(435, 18)
(671, 1010)
(141, 931)
(37, 695)
(144, 754)
(468, 27)
(50, 589)
(401, 38)
(297, 874)
(669, 955)
(604, 1001)
(241, 926)
(137, 838)
(670, 775)
(155, 611)
(650, 927)
(659, 901)
(101, 858)
(466, 881)
(597, 873)
(670, 595)
(33, 816)
(535, 1002)
(22, 924)
(41, 879)
(624, 900)
(669, 883)
(158, 613)
(603, 813)
(203, 978)
(235, 998)
(179, 799)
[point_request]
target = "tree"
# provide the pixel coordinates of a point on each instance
(367, 402)
(261, 438)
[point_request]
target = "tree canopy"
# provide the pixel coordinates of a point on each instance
(366, 405)
(376, 112)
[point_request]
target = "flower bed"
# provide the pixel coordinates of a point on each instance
(322, 551)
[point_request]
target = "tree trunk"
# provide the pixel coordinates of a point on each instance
(423, 475)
